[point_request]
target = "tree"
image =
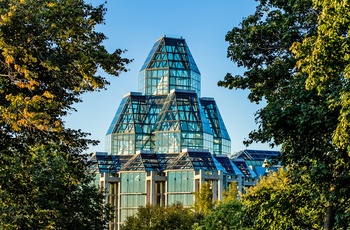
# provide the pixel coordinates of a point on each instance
(225, 216)
(204, 199)
(279, 203)
(49, 190)
(298, 118)
(156, 217)
(231, 193)
(49, 56)
(324, 59)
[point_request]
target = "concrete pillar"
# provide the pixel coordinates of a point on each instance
(166, 190)
(215, 189)
(119, 189)
(114, 201)
(240, 184)
(152, 189)
(220, 184)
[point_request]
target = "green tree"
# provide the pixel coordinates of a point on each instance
(204, 199)
(297, 117)
(324, 59)
(48, 189)
(49, 56)
(278, 203)
(225, 216)
(231, 193)
(167, 218)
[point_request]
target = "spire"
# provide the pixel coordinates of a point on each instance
(169, 66)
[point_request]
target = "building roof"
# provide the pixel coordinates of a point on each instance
(170, 52)
(105, 163)
(244, 168)
(228, 165)
(189, 159)
(194, 160)
(256, 155)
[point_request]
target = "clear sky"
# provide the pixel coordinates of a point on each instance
(135, 25)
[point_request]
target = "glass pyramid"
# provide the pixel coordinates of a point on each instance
(167, 115)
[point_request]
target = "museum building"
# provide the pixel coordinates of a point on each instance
(166, 140)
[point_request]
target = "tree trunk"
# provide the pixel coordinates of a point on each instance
(330, 217)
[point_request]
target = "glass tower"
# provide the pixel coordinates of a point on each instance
(168, 115)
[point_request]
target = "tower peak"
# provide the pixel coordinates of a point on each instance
(169, 65)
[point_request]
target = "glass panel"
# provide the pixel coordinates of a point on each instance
(171, 181)
(185, 199)
(172, 54)
(133, 182)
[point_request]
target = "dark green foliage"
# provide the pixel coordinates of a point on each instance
(225, 216)
(162, 218)
(303, 120)
(49, 56)
(48, 189)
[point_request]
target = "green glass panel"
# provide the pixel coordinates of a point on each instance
(171, 182)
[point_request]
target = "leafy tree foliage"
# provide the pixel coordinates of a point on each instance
(204, 199)
(49, 56)
(278, 203)
(304, 112)
(156, 217)
(231, 193)
(324, 58)
(226, 215)
(47, 189)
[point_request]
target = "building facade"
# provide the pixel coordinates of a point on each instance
(166, 140)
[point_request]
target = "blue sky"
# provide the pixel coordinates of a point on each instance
(135, 25)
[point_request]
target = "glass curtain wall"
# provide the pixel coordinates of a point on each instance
(129, 130)
(132, 193)
(182, 124)
(222, 141)
(168, 115)
(169, 65)
(180, 187)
